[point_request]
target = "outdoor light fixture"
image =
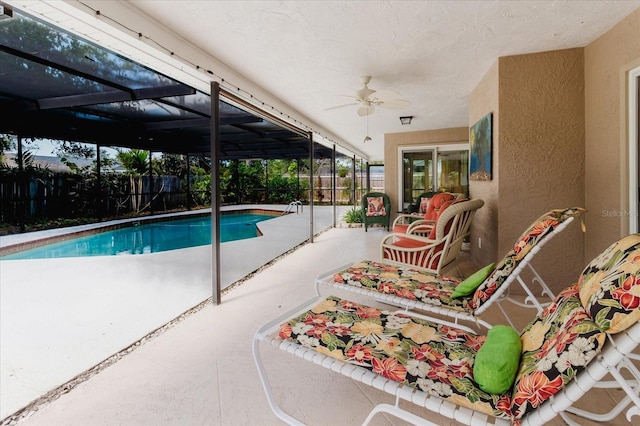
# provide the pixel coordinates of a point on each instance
(406, 120)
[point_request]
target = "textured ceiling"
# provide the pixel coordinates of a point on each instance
(433, 53)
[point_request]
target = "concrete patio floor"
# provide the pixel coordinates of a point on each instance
(61, 317)
(199, 370)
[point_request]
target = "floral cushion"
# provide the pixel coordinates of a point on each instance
(376, 206)
(610, 286)
(434, 358)
(536, 233)
(556, 346)
(403, 282)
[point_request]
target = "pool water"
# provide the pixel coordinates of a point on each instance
(150, 238)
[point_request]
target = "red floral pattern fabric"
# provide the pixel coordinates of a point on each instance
(438, 359)
(434, 358)
(610, 286)
(556, 346)
(536, 233)
(403, 282)
(436, 290)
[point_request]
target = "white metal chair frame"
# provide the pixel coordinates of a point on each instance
(615, 356)
(501, 294)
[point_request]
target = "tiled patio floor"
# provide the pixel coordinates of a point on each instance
(201, 372)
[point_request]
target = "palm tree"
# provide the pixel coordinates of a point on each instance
(135, 163)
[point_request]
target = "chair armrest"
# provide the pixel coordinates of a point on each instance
(406, 219)
(421, 227)
(388, 240)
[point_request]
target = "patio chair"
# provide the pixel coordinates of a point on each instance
(588, 331)
(376, 208)
(421, 224)
(415, 289)
(439, 250)
(421, 203)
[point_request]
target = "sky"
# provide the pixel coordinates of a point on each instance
(47, 148)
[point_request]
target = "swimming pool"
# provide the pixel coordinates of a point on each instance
(150, 238)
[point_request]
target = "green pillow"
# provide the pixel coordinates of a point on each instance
(469, 285)
(498, 360)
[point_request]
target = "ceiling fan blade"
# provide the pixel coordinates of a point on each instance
(395, 104)
(384, 95)
(366, 110)
(341, 106)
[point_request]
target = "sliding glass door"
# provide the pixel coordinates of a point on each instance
(435, 168)
(417, 175)
(453, 171)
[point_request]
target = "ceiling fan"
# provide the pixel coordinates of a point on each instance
(368, 99)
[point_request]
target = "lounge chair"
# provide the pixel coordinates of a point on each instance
(438, 251)
(587, 331)
(414, 289)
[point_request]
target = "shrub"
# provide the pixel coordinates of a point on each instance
(354, 215)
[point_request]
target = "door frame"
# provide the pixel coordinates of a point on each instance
(458, 146)
(633, 122)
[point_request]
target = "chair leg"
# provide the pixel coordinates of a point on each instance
(273, 404)
(398, 412)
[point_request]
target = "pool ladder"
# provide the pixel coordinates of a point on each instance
(298, 205)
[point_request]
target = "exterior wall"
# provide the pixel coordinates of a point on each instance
(607, 62)
(537, 101)
(541, 153)
(393, 141)
(483, 100)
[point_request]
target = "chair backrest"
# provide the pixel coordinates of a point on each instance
(436, 203)
(562, 340)
(376, 204)
(421, 203)
(452, 226)
(541, 230)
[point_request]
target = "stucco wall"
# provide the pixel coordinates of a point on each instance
(537, 102)
(393, 141)
(483, 100)
(607, 60)
(541, 153)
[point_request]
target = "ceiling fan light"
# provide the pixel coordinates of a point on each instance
(406, 121)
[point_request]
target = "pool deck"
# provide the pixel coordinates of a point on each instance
(62, 317)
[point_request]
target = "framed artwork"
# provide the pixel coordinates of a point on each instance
(480, 146)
